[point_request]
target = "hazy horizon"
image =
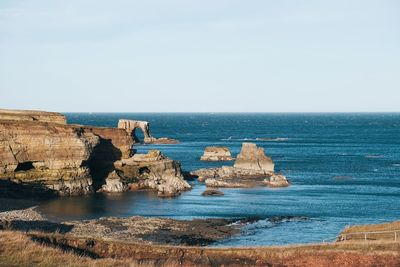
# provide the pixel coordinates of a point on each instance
(209, 57)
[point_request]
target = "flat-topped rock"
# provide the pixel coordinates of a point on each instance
(215, 153)
(32, 115)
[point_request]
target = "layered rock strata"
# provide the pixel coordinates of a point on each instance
(131, 125)
(214, 153)
(75, 159)
(252, 168)
(54, 156)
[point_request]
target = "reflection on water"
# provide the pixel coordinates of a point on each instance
(95, 206)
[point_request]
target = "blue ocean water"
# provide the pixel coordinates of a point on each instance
(344, 169)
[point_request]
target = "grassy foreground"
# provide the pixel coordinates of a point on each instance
(18, 249)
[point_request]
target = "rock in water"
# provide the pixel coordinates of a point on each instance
(114, 184)
(212, 193)
(252, 168)
(252, 157)
(277, 180)
(154, 171)
(214, 153)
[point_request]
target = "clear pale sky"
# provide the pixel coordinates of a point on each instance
(208, 56)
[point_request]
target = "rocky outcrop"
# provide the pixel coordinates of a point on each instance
(276, 180)
(214, 153)
(131, 125)
(75, 159)
(253, 158)
(32, 115)
(252, 168)
(153, 171)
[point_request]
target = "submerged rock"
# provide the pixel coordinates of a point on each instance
(212, 193)
(214, 153)
(252, 168)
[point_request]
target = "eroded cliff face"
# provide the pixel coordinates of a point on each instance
(53, 155)
(76, 159)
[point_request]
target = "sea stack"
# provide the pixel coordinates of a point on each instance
(215, 153)
(252, 157)
(251, 168)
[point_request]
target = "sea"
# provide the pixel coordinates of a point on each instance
(344, 169)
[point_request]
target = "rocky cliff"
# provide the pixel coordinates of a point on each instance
(51, 155)
(76, 159)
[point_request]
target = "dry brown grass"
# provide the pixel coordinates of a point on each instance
(16, 249)
(373, 227)
(374, 232)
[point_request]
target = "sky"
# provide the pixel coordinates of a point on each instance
(200, 56)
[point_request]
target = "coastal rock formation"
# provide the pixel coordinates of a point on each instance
(153, 171)
(114, 184)
(214, 153)
(131, 125)
(75, 159)
(252, 168)
(252, 157)
(53, 155)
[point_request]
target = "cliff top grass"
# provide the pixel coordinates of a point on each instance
(391, 226)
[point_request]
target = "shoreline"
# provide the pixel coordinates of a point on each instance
(37, 231)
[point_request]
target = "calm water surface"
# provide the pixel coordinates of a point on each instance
(344, 169)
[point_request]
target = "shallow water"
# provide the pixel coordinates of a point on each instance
(344, 169)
